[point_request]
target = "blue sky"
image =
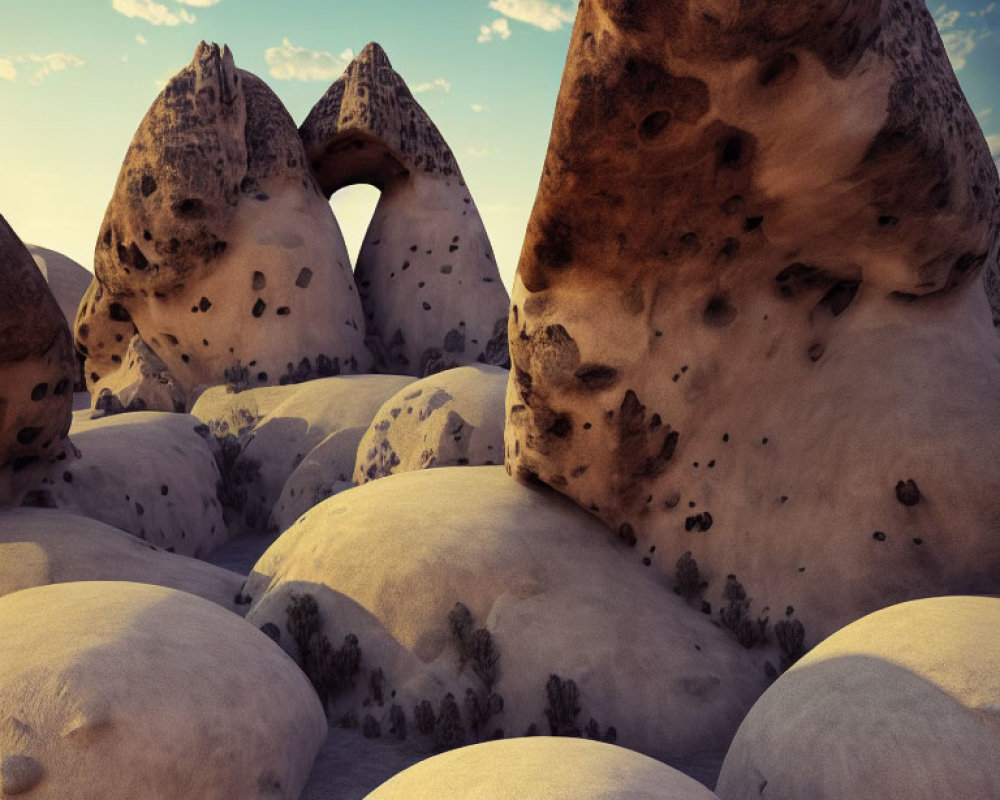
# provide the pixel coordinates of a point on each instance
(76, 77)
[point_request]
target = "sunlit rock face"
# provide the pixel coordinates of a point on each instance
(219, 247)
(902, 703)
(428, 279)
(748, 321)
(36, 371)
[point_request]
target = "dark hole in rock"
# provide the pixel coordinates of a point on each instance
(189, 208)
(719, 312)
(654, 125)
(908, 493)
(118, 313)
(840, 296)
(28, 435)
(778, 70)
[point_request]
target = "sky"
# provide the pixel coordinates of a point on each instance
(77, 76)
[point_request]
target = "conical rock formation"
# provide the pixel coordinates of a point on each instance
(217, 243)
(36, 370)
(747, 320)
(426, 272)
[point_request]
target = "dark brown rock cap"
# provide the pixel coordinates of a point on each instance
(368, 128)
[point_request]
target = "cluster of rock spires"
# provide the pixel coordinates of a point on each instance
(747, 334)
(220, 251)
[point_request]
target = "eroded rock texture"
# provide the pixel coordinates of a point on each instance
(428, 280)
(36, 370)
(217, 245)
(747, 321)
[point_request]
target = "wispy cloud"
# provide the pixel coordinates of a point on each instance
(961, 35)
(39, 67)
(292, 63)
(430, 86)
(199, 3)
(479, 108)
(153, 12)
(141, 39)
(993, 142)
(499, 27)
(540, 13)
(479, 152)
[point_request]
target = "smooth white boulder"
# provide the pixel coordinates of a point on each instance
(40, 546)
(541, 768)
(388, 561)
(116, 691)
(903, 704)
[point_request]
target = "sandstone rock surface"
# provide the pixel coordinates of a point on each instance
(147, 473)
(388, 562)
(541, 768)
(426, 272)
(36, 370)
(453, 418)
(218, 245)
(113, 691)
(67, 279)
(141, 383)
(904, 703)
(278, 428)
(42, 546)
(747, 320)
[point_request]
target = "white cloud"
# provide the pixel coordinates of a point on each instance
(199, 3)
(983, 11)
(499, 27)
(151, 11)
(292, 63)
(960, 39)
(479, 152)
(540, 13)
(993, 141)
(479, 108)
(984, 112)
(141, 39)
(437, 83)
(43, 65)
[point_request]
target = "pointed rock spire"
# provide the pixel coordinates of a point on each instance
(217, 244)
(747, 308)
(426, 272)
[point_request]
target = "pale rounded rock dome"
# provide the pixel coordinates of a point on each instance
(541, 768)
(115, 691)
(903, 704)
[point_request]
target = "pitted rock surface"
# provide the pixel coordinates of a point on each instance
(142, 383)
(36, 371)
(451, 419)
(218, 245)
(426, 272)
(748, 303)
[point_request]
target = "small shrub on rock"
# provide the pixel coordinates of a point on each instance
(449, 733)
